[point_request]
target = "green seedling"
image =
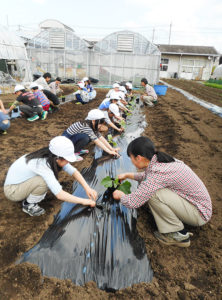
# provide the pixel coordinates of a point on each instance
(111, 141)
(122, 124)
(109, 182)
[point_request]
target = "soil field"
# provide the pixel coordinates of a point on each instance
(178, 126)
(198, 89)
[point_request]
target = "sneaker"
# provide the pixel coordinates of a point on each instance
(82, 152)
(44, 115)
(33, 209)
(34, 118)
(78, 158)
(174, 238)
(50, 110)
(3, 132)
(78, 103)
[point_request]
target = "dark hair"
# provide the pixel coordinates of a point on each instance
(23, 91)
(58, 79)
(35, 88)
(144, 146)
(144, 80)
(50, 159)
(97, 123)
(47, 75)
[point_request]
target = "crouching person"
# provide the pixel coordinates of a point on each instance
(30, 176)
(174, 193)
(31, 107)
(4, 119)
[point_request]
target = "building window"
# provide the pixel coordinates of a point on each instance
(164, 64)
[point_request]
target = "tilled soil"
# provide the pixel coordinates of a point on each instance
(178, 126)
(199, 90)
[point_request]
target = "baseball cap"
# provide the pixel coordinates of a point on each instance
(115, 85)
(81, 85)
(122, 89)
(114, 95)
(33, 85)
(85, 79)
(62, 147)
(129, 84)
(19, 87)
(114, 109)
(95, 114)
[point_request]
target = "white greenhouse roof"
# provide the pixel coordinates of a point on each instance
(11, 46)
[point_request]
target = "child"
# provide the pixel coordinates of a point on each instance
(37, 92)
(90, 89)
(174, 193)
(31, 106)
(82, 132)
(81, 95)
(30, 176)
(4, 119)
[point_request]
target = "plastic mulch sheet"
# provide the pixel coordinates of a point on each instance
(98, 244)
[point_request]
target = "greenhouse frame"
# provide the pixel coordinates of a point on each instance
(123, 55)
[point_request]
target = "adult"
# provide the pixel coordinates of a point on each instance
(82, 132)
(30, 176)
(149, 97)
(55, 87)
(174, 193)
(44, 82)
(31, 107)
(4, 119)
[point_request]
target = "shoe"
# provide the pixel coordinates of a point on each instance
(33, 209)
(78, 158)
(3, 132)
(50, 110)
(44, 115)
(55, 109)
(34, 118)
(82, 152)
(174, 238)
(78, 103)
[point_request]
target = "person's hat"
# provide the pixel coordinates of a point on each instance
(114, 109)
(114, 96)
(81, 85)
(63, 147)
(18, 88)
(85, 79)
(33, 85)
(129, 84)
(95, 114)
(122, 89)
(115, 85)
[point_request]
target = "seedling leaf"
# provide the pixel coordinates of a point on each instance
(125, 187)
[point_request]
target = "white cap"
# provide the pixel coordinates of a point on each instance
(114, 109)
(19, 87)
(40, 87)
(115, 85)
(122, 89)
(33, 85)
(114, 95)
(129, 84)
(62, 147)
(81, 85)
(120, 104)
(85, 79)
(95, 114)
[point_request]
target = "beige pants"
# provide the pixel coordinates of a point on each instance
(35, 187)
(171, 211)
(148, 100)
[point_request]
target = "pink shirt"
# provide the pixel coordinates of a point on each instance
(175, 176)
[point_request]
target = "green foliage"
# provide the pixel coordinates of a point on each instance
(122, 123)
(214, 85)
(108, 182)
(111, 141)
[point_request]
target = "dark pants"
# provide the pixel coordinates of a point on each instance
(30, 111)
(79, 99)
(52, 97)
(79, 140)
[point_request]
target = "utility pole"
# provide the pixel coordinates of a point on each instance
(153, 35)
(170, 33)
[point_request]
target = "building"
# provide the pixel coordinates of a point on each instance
(188, 62)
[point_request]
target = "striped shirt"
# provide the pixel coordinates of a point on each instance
(83, 127)
(175, 176)
(42, 98)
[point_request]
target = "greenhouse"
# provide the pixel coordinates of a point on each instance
(125, 55)
(58, 50)
(14, 62)
(122, 55)
(217, 73)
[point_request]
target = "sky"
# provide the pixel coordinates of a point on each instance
(189, 22)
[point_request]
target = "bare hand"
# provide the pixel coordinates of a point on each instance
(118, 194)
(122, 177)
(92, 194)
(114, 153)
(91, 203)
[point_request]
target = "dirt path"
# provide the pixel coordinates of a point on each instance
(199, 90)
(180, 127)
